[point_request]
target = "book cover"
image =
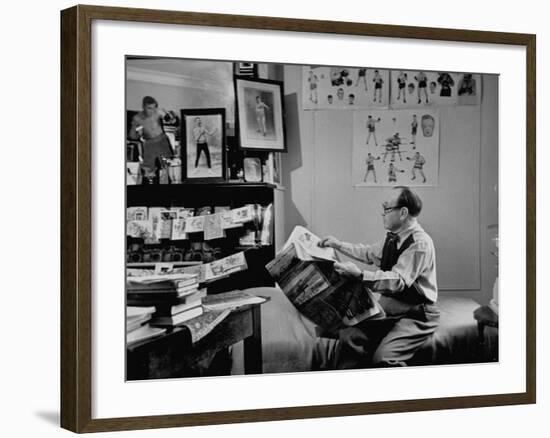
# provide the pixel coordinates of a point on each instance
(135, 312)
(174, 309)
(162, 300)
(134, 323)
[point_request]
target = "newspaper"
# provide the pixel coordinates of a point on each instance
(308, 245)
(305, 272)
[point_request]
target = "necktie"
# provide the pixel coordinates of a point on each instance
(389, 252)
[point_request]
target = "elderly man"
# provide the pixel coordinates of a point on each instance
(406, 282)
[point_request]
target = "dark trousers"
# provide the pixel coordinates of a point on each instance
(154, 149)
(203, 147)
(388, 342)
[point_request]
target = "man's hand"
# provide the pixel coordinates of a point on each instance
(348, 269)
(330, 242)
(355, 339)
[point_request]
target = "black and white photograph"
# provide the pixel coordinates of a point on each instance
(203, 134)
(391, 262)
(260, 114)
(425, 89)
(252, 167)
(468, 89)
(338, 87)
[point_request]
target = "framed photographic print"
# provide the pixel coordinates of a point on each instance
(260, 114)
(203, 140)
(252, 167)
(148, 315)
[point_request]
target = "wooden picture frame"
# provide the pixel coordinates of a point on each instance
(210, 150)
(260, 114)
(77, 219)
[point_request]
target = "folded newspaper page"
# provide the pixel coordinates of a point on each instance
(305, 273)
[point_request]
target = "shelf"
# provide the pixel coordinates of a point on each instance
(152, 264)
(232, 194)
(226, 193)
(210, 185)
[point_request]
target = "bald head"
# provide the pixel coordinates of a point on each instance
(408, 198)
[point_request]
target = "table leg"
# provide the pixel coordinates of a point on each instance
(481, 340)
(253, 345)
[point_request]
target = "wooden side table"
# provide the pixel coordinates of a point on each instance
(485, 317)
(174, 355)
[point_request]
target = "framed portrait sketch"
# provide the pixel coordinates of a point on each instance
(225, 301)
(203, 144)
(260, 114)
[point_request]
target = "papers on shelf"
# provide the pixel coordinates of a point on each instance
(243, 214)
(213, 227)
(155, 223)
(194, 224)
(218, 268)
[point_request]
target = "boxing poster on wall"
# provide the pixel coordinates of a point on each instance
(421, 89)
(344, 88)
(395, 147)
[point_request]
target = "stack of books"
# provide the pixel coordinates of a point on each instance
(176, 298)
(137, 325)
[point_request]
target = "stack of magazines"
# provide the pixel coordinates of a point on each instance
(176, 297)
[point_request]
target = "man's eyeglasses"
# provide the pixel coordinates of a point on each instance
(387, 209)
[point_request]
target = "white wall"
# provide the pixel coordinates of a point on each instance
(30, 341)
(318, 171)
